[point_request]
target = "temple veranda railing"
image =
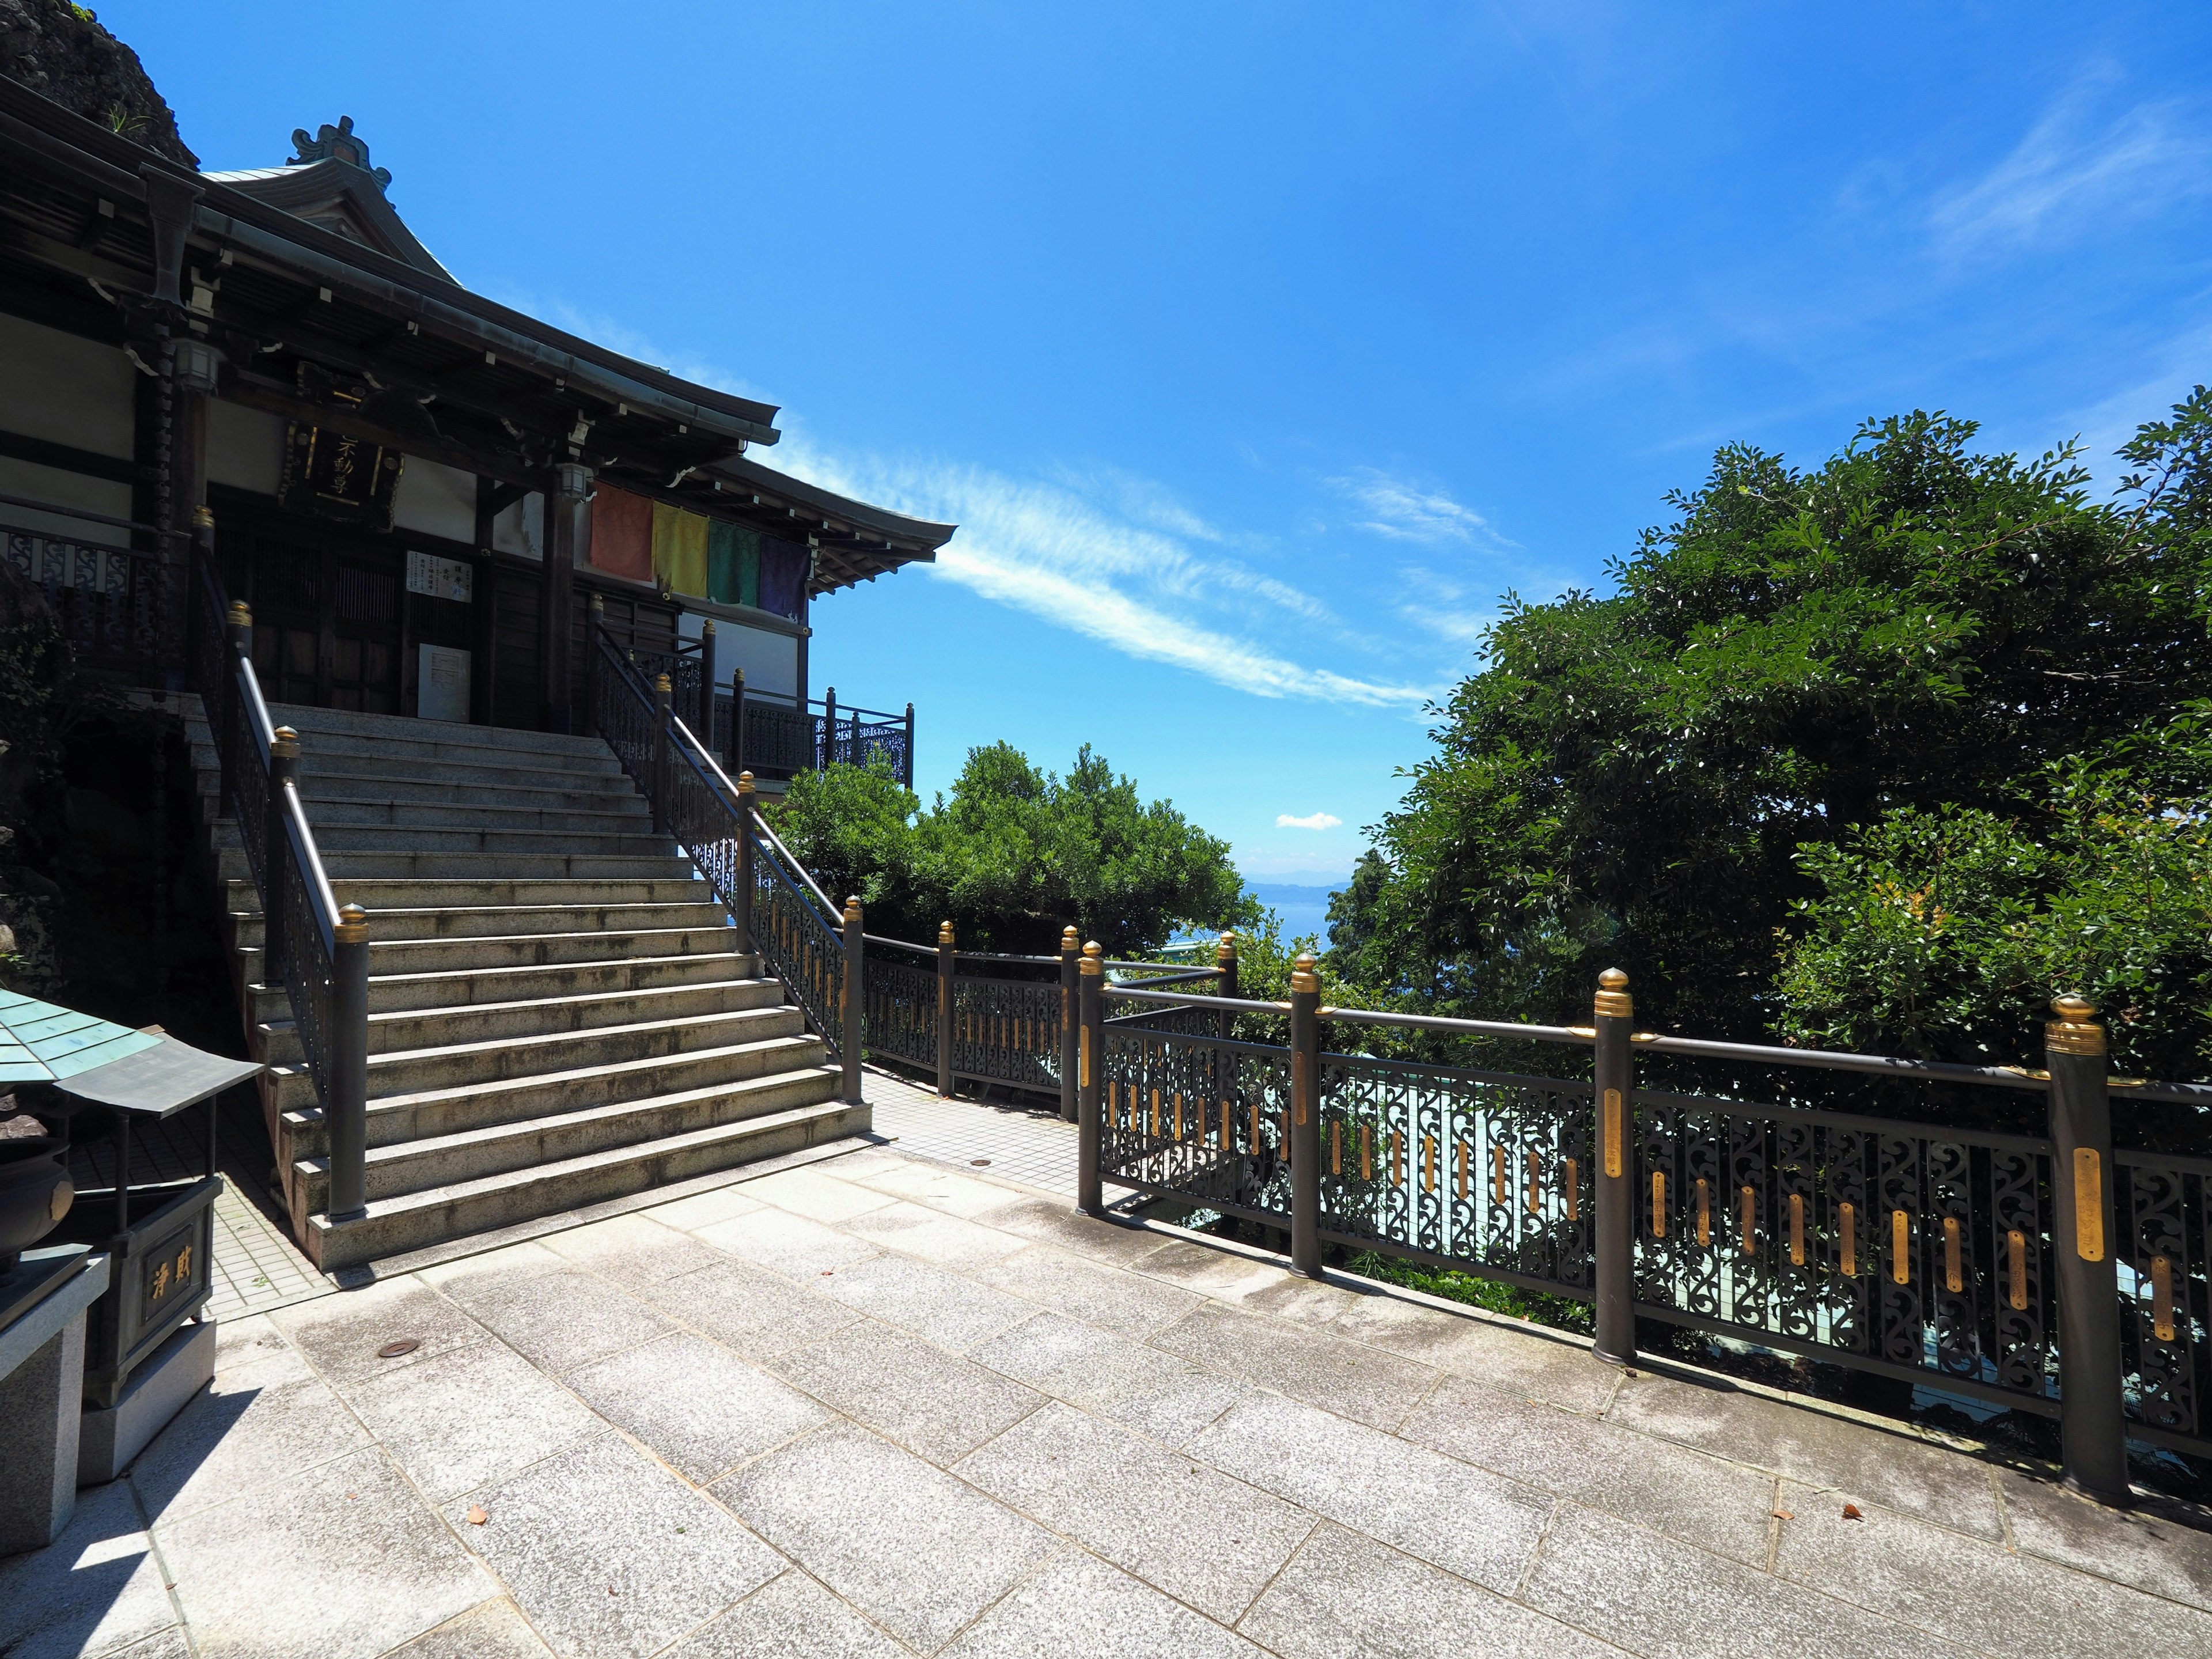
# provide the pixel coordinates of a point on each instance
(316, 949)
(2051, 1274)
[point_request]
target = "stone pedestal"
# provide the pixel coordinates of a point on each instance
(42, 1395)
(160, 1389)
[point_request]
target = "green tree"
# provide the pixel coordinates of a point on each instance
(1912, 628)
(1014, 854)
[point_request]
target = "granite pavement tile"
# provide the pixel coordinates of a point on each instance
(471, 1276)
(816, 1193)
(1080, 1606)
(1893, 1470)
(494, 1629)
(252, 1426)
(1345, 1596)
(96, 1588)
(792, 1615)
(344, 1562)
(340, 1334)
(749, 1309)
(941, 1188)
(247, 1341)
(951, 1310)
(559, 1321)
(1126, 1304)
(1976, 1593)
(1053, 1221)
(633, 1249)
(609, 1555)
(702, 1409)
(2151, 1547)
(1347, 1378)
(470, 1415)
(1722, 1506)
(1181, 1527)
(171, 1643)
(1526, 1361)
(1664, 1599)
(1161, 1395)
(946, 1240)
(705, 1209)
(915, 1550)
(1221, 1275)
(792, 1245)
(1465, 1520)
(935, 1404)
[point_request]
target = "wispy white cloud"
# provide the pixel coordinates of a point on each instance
(1044, 548)
(1311, 821)
(1409, 513)
(2071, 169)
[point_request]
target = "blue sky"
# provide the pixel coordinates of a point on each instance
(1258, 349)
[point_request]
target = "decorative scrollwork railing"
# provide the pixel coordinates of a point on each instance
(111, 602)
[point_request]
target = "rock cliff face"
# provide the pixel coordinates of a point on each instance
(60, 52)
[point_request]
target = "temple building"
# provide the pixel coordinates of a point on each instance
(417, 491)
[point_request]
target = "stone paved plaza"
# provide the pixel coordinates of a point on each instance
(876, 1405)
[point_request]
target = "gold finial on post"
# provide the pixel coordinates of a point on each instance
(1093, 956)
(1225, 950)
(2075, 1031)
(1071, 940)
(203, 518)
(945, 935)
(241, 615)
(853, 907)
(1613, 999)
(284, 744)
(661, 683)
(1303, 977)
(353, 925)
(599, 602)
(744, 783)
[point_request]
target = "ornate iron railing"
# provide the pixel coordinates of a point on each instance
(1973, 1261)
(111, 602)
(1007, 1030)
(315, 948)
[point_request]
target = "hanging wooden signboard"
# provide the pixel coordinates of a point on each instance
(334, 476)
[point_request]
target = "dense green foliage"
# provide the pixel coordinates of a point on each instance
(1014, 855)
(1881, 752)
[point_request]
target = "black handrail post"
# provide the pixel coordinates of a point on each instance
(906, 767)
(737, 719)
(1224, 965)
(276, 843)
(946, 967)
(595, 622)
(828, 729)
(703, 728)
(1089, 1074)
(1305, 1119)
(663, 819)
(238, 659)
(741, 915)
(1071, 954)
(851, 1035)
(1615, 1013)
(2091, 1419)
(347, 1105)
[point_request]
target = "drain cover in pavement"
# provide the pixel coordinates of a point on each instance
(405, 1345)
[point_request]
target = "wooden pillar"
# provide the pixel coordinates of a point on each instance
(483, 628)
(568, 543)
(702, 721)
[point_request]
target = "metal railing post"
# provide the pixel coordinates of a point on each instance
(851, 1035)
(702, 726)
(737, 720)
(742, 914)
(1614, 1014)
(828, 729)
(223, 719)
(906, 766)
(946, 966)
(1071, 954)
(1305, 1119)
(595, 622)
(1089, 1074)
(347, 1108)
(663, 819)
(2092, 1420)
(276, 844)
(1224, 962)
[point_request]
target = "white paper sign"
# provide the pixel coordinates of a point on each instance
(441, 579)
(441, 684)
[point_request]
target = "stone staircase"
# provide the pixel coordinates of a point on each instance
(558, 1015)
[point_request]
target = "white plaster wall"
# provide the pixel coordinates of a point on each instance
(520, 526)
(49, 483)
(65, 389)
(246, 447)
(436, 500)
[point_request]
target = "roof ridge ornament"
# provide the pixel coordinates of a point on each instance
(336, 144)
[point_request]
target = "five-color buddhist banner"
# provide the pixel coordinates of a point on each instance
(689, 553)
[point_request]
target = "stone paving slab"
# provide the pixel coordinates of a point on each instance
(883, 1406)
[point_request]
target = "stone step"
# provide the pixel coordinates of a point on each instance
(508, 921)
(408, 1073)
(390, 956)
(584, 794)
(373, 894)
(618, 815)
(343, 867)
(414, 1220)
(316, 767)
(394, 1170)
(389, 841)
(434, 1028)
(303, 717)
(421, 993)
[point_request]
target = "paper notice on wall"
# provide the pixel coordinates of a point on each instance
(441, 579)
(441, 686)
